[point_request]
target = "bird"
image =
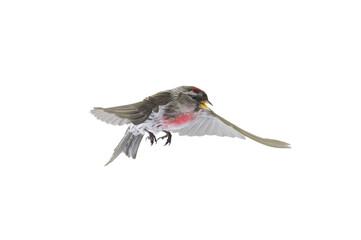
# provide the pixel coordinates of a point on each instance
(181, 110)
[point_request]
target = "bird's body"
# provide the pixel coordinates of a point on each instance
(181, 110)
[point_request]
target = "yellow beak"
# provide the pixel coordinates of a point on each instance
(204, 106)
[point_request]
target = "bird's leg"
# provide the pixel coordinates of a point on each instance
(168, 136)
(151, 137)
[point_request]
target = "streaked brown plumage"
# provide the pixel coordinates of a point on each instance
(181, 110)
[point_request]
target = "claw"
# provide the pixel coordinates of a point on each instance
(151, 137)
(168, 136)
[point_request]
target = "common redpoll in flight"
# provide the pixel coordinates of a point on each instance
(182, 109)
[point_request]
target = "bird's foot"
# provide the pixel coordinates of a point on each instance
(168, 136)
(151, 137)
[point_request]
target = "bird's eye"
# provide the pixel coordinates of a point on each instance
(194, 97)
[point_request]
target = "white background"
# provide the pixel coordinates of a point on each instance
(280, 69)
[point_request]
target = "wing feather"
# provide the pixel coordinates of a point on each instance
(209, 123)
(110, 118)
(135, 113)
(199, 128)
(202, 130)
(266, 141)
(192, 130)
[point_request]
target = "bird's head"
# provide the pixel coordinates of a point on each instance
(198, 97)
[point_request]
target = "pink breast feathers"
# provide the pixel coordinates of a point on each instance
(180, 119)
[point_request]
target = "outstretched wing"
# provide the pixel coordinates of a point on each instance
(209, 123)
(133, 113)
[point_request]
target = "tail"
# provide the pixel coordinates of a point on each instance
(129, 145)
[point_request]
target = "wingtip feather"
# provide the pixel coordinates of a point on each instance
(275, 143)
(109, 118)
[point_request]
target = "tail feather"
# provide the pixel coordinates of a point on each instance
(129, 145)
